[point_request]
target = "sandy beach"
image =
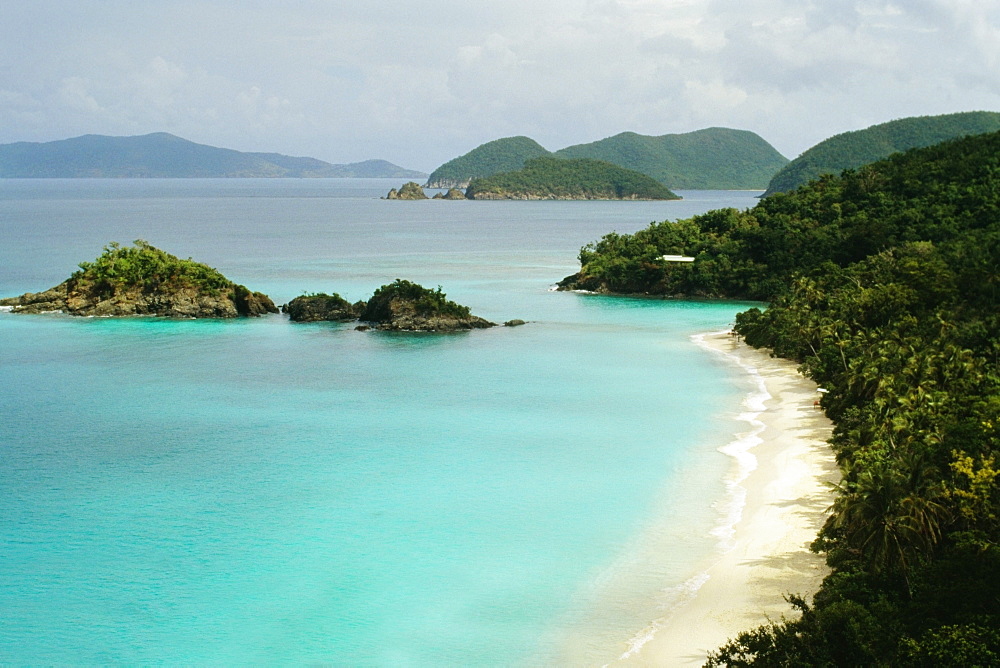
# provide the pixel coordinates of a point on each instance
(786, 497)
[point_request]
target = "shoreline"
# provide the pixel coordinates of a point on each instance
(776, 503)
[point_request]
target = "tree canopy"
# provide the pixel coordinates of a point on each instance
(850, 150)
(554, 178)
(884, 284)
(709, 159)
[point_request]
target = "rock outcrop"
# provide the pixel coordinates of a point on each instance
(452, 194)
(406, 306)
(322, 307)
(410, 190)
(143, 280)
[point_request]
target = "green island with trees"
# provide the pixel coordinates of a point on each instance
(581, 178)
(708, 159)
(401, 306)
(884, 284)
(144, 280)
(500, 155)
(850, 150)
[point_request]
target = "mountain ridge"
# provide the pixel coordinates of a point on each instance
(852, 149)
(710, 159)
(163, 155)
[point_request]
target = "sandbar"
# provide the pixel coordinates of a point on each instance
(787, 497)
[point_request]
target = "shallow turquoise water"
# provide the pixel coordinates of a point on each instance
(266, 492)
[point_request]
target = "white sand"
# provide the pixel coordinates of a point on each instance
(787, 497)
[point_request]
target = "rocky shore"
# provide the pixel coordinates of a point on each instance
(144, 281)
(401, 306)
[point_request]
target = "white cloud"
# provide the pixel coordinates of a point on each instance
(419, 83)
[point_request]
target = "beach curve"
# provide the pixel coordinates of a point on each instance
(781, 478)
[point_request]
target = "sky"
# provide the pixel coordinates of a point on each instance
(423, 81)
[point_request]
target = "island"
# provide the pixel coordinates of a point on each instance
(549, 178)
(453, 193)
(507, 154)
(163, 155)
(399, 306)
(708, 159)
(322, 307)
(410, 190)
(142, 280)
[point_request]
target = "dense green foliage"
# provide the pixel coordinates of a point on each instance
(709, 159)
(853, 149)
(421, 301)
(143, 267)
(714, 158)
(500, 155)
(163, 155)
(555, 178)
(936, 194)
(885, 285)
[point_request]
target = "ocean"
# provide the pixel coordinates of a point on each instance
(261, 491)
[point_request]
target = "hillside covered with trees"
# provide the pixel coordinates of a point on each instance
(884, 283)
(555, 178)
(500, 155)
(860, 147)
(709, 159)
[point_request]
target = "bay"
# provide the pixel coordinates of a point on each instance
(261, 491)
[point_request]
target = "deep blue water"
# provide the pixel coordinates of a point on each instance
(260, 491)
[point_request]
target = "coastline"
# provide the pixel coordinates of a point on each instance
(778, 496)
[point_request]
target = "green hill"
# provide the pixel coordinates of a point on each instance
(500, 155)
(162, 155)
(883, 287)
(710, 159)
(556, 178)
(860, 147)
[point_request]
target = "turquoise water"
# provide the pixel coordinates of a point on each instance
(266, 492)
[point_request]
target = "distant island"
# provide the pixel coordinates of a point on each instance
(162, 155)
(709, 159)
(409, 190)
(500, 155)
(565, 179)
(142, 280)
(401, 306)
(851, 150)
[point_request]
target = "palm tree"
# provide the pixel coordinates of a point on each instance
(890, 513)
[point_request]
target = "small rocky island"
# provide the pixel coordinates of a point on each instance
(320, 307)
(410, 190)
(453, 193)
(398, 306)
(141, 280)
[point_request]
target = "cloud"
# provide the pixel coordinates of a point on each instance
(419, 83)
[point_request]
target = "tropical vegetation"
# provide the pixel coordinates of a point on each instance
(853, 149)
(581, 178)
(424, 302)
(500, 155)
(884, 284)
(709, 159)
(146, 268)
